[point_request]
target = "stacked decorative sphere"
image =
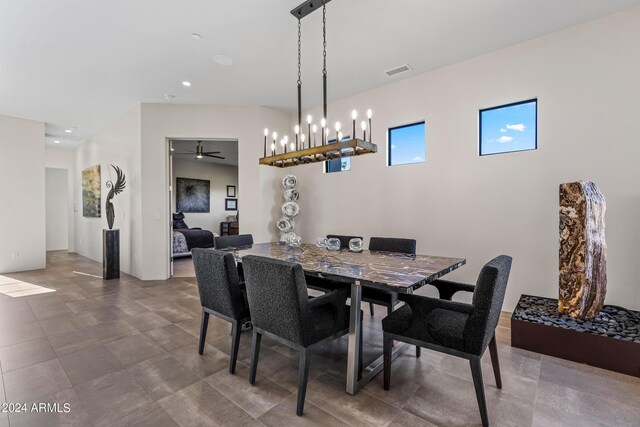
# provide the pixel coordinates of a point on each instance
(290, 210)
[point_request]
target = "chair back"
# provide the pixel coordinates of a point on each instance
(344, 240)
(218, 282)
(392, 244)
(277, 295)
(223, 242)
(488, 297)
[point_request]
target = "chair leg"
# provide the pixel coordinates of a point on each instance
(236, 331)
(255, 353)
(476, 372)
(371, 308)
(387, 346)
(303, 377)
(418, 351)
(495, 361)
(204, 323)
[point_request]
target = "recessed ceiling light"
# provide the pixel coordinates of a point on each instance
(56, 141)
(68, 130)
(169, 96)
(196, 36)
(186, 84)
(223, 59)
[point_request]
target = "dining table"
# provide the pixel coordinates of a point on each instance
(386, 271)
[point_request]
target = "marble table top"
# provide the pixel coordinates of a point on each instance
(385, 270)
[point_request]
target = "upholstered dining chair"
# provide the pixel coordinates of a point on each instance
(326, 285)
(223, 242)
(239, 240)
(460, 329)
(281, 310)
(220, 295)
(387, 244)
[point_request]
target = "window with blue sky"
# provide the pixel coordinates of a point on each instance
(509, 128)
(340, 164)
(407, 144)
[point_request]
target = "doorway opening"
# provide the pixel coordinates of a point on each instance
(203, 195)
(57, 209)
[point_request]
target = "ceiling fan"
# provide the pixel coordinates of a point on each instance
(200, 153)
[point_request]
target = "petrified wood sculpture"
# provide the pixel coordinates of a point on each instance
(583, 268)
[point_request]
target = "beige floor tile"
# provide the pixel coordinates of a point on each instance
(111, 397)
(257, 399)
(201, 404)
(36, 381)
(162, 376)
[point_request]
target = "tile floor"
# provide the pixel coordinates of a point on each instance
(125, 353)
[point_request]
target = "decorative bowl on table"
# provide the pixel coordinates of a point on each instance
(356, 245)
(333, 244)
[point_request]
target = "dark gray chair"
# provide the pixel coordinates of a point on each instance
(281, 310)
(459, 329)
(220, 295)
(224, 242)
(387, 244)
(344, 240)
(326, 285)
(237, 241)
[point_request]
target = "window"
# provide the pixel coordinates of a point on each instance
(407, 144)
(509, 128)
(338, 165)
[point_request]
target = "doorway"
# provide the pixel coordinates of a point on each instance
(203, 194)
(57, 209)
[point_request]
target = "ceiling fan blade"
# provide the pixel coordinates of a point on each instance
(189, 153)
(215, 157)
(211, 152)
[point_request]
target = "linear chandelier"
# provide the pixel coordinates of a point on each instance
(309, 148)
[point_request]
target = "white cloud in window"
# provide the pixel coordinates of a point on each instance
(503, 139)
(503, 130)
(417, 159)
(520, 127)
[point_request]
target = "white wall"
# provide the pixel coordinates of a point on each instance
(219, 176)
(173, 121)
(119, 145)
(56, 209)
(22, 206)
(459, 204)
(61, 158)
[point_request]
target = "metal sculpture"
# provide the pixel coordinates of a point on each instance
(115, 189)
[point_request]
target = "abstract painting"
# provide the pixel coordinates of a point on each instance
(192, 195)
(91, 192)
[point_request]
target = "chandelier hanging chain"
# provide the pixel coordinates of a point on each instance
(324, 60)
(299, 52)
(324, 38)
(299, 70)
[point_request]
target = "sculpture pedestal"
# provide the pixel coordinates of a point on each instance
(110, 254)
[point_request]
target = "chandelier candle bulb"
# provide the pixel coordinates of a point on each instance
(309, 120)
(363, 125)
(266, 134)
(337, 130)
(302, 138)
(273, 148)
(323, 124)
(315, 129)
(339, 137)
(369, 114)
(354, 116)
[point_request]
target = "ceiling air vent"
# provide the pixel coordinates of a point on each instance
(398, 70)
